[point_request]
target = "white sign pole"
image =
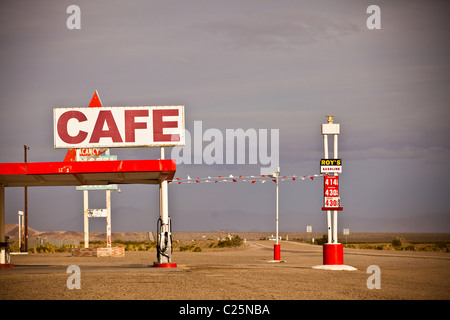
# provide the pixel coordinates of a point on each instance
(335, 155)
(86, 218)
(333, 252)
(325, 154)
(278, 173)
(346, 232)
(108, 218)
(21, 228)
(165, 245)
(327, 129)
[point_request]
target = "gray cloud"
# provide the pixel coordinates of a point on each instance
(246, 64)
(278, 30)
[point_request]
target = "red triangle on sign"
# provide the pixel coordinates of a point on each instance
(71, 155)
(95, 102)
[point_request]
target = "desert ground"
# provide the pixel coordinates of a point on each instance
(242, 273)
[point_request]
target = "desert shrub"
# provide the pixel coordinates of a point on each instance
(48, 248)
(442, 246)
(185, 248)
(136, 245)
(190, 248)
(235, 241)
(397, 242)
(323, 240)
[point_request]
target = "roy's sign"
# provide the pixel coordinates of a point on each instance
(330, 166)
(112, 127)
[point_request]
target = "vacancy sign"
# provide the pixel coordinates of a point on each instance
(115, 127)
(331, 193)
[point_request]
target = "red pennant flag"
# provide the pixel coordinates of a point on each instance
(234, 180)
(95, 101)
(197, 181)
(253, 181)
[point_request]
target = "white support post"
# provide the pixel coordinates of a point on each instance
(164, 236)
(108, 218)
(20, 214)
(325, 154)
(278, 172)
(325, 146)
(86, 218)
(335, 215)
(164, 213)
(327, 129)
(335, 146)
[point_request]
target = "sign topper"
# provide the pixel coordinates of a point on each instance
(115, 127)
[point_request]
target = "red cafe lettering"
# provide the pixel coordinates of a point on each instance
(119, 126)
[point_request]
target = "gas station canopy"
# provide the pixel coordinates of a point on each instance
(86, 173)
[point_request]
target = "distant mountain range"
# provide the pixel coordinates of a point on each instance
(12, 230)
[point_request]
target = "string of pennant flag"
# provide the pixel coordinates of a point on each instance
(247, 179)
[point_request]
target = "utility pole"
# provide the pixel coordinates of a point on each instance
(26, 203)
(276, 247)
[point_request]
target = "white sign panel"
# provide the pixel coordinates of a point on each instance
(98, 187)
(97, 213)
(113, 127)
(330, 169)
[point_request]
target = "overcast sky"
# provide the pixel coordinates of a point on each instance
(241, 64)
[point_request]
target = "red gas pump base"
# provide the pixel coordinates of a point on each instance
(276, 252)
(164, 265)
(333, 253)
(333, 258)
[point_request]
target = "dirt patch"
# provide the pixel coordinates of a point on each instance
(242, 273)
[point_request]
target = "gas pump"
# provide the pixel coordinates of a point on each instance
(164, 242)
